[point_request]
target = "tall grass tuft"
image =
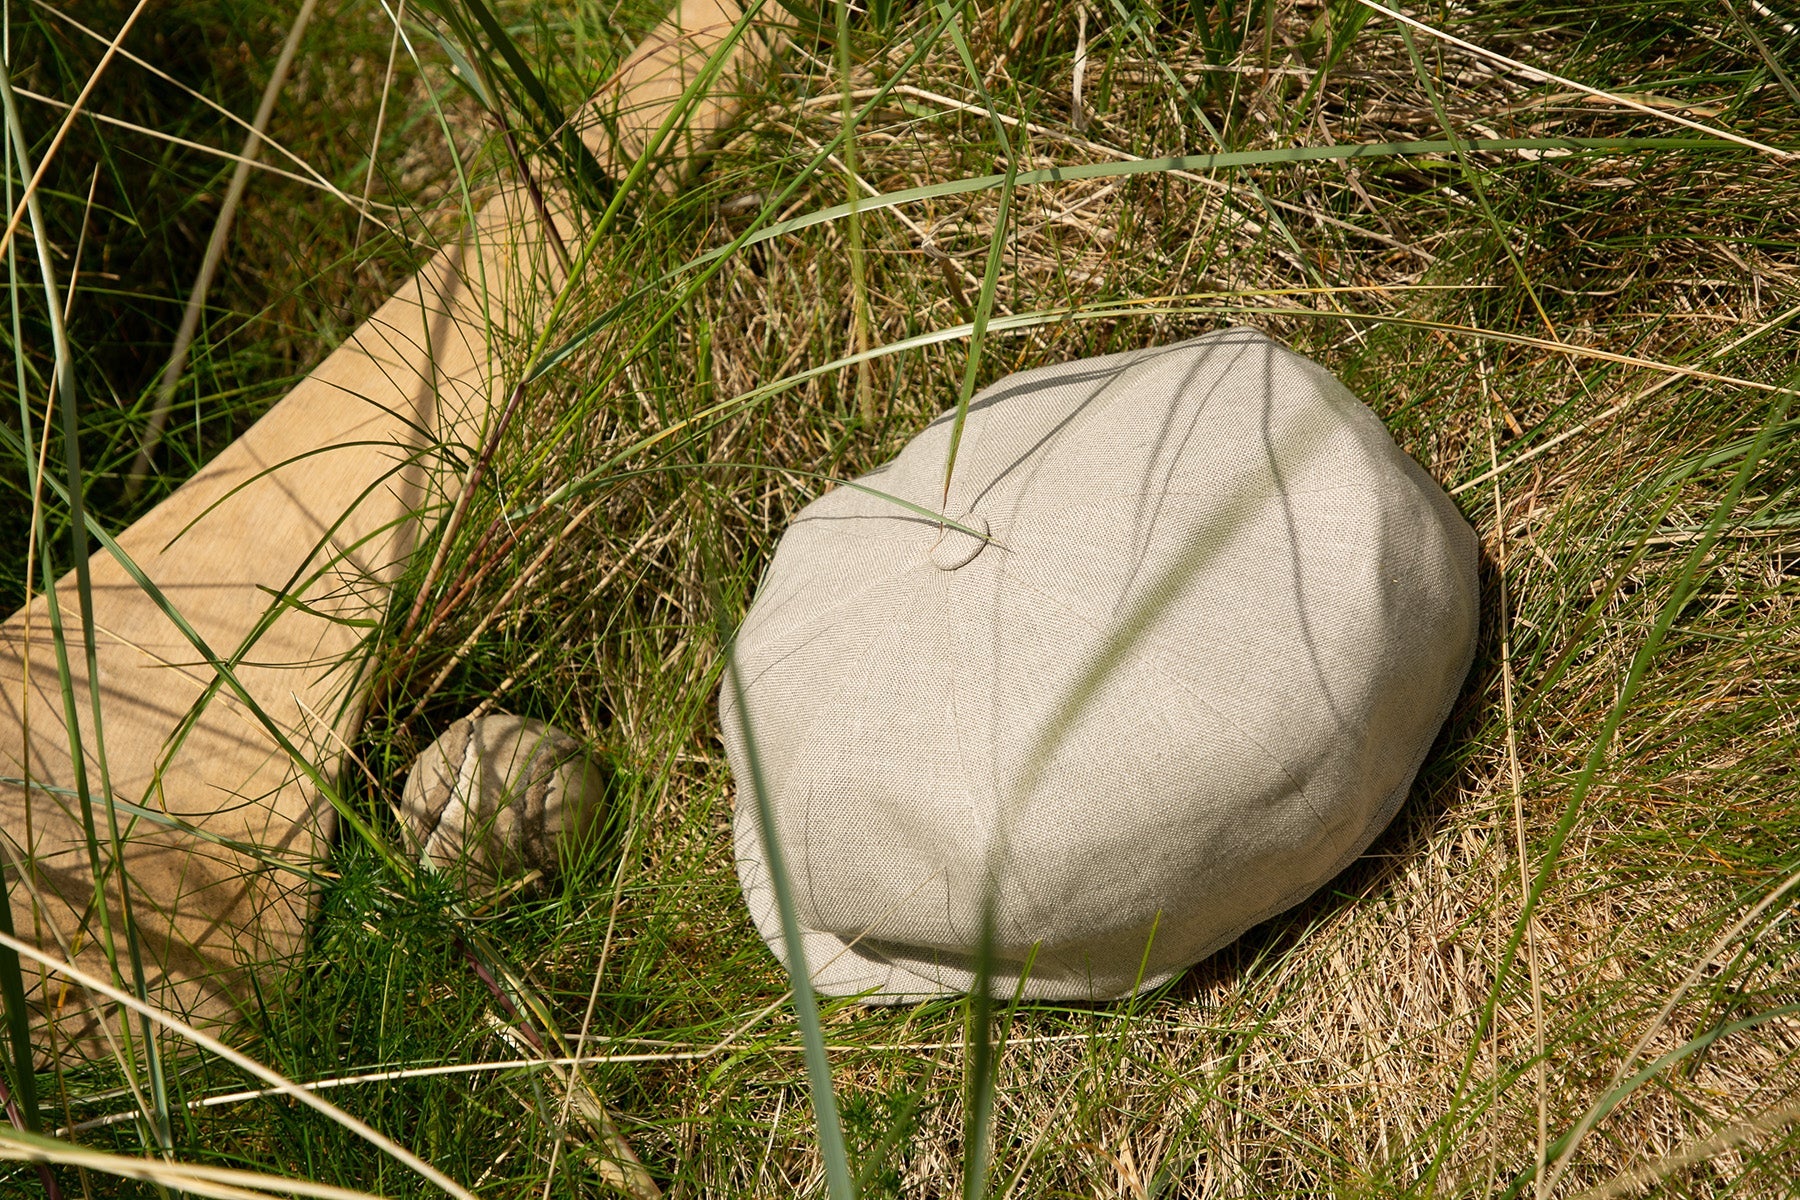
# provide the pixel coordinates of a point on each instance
(1567, 229)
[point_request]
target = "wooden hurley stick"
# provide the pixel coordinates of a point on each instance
(278, 555)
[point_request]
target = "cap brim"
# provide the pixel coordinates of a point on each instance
(838, 966)
(860, 967)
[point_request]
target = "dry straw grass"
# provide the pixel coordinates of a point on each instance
(1329, 1047)
(1333, 1046)
(1562, 314)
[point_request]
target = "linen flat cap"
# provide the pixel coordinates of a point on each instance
(1213, 625)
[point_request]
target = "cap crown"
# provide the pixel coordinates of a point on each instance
(1218, 623)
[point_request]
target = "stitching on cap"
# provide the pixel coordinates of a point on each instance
(1159, 664)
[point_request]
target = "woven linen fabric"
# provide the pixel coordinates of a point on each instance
(1214, 627)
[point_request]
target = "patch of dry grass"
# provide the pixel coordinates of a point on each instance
(1328, 1048)
(1588, 320)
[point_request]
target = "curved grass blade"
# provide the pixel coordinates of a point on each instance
(1551, 76)
(287, 1087)
(528, 94)
(401, 464)
(227, 1183)
(282, 599)
(806, 1007)
(990, 277)
(1191, 104)
(978, 1106)
(756, 234)
(78, 546)
(223, 667)
(978, 1102)
(12, 980)
(697, 87)
(713, 260)
(1621, 1093)
(464, 71)
(165, 820)
(859, 284)
(1353, 151)
(1018, 322)
(1347, 18)
(12, 998)
(1473, 177)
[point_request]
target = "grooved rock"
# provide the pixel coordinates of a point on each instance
(498, 797)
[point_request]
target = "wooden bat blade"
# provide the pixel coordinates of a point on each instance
(280, 554)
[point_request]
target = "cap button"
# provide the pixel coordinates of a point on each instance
(955, 548)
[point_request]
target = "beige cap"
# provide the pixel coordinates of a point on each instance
(1218, 620)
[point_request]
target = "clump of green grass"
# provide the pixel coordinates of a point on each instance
(131, 197)
(1569, 958)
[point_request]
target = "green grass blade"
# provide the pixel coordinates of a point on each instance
(978, 1105)
(806, 1007)
(756, 235)
(1197, 112)
(590, 180)
(223, 666)
(12, 997)
(68, 398)
(1346, 18)
(1473, 177)
(1625, 1090)
(1540, 73)
(1199, 163)
(245, 1063)
(464, 71)
(1020, 322)
(990, 278)
(163, 820)
(859, 285)
(12, 981)
(978, 1087)
(711, 262)
(697, 87)
(186, 1178)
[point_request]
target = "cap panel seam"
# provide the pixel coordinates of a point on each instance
(1148, 657)
(1000, 833)
(1072, 420)
(827, 616)
(848, 672)
(955, 623)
